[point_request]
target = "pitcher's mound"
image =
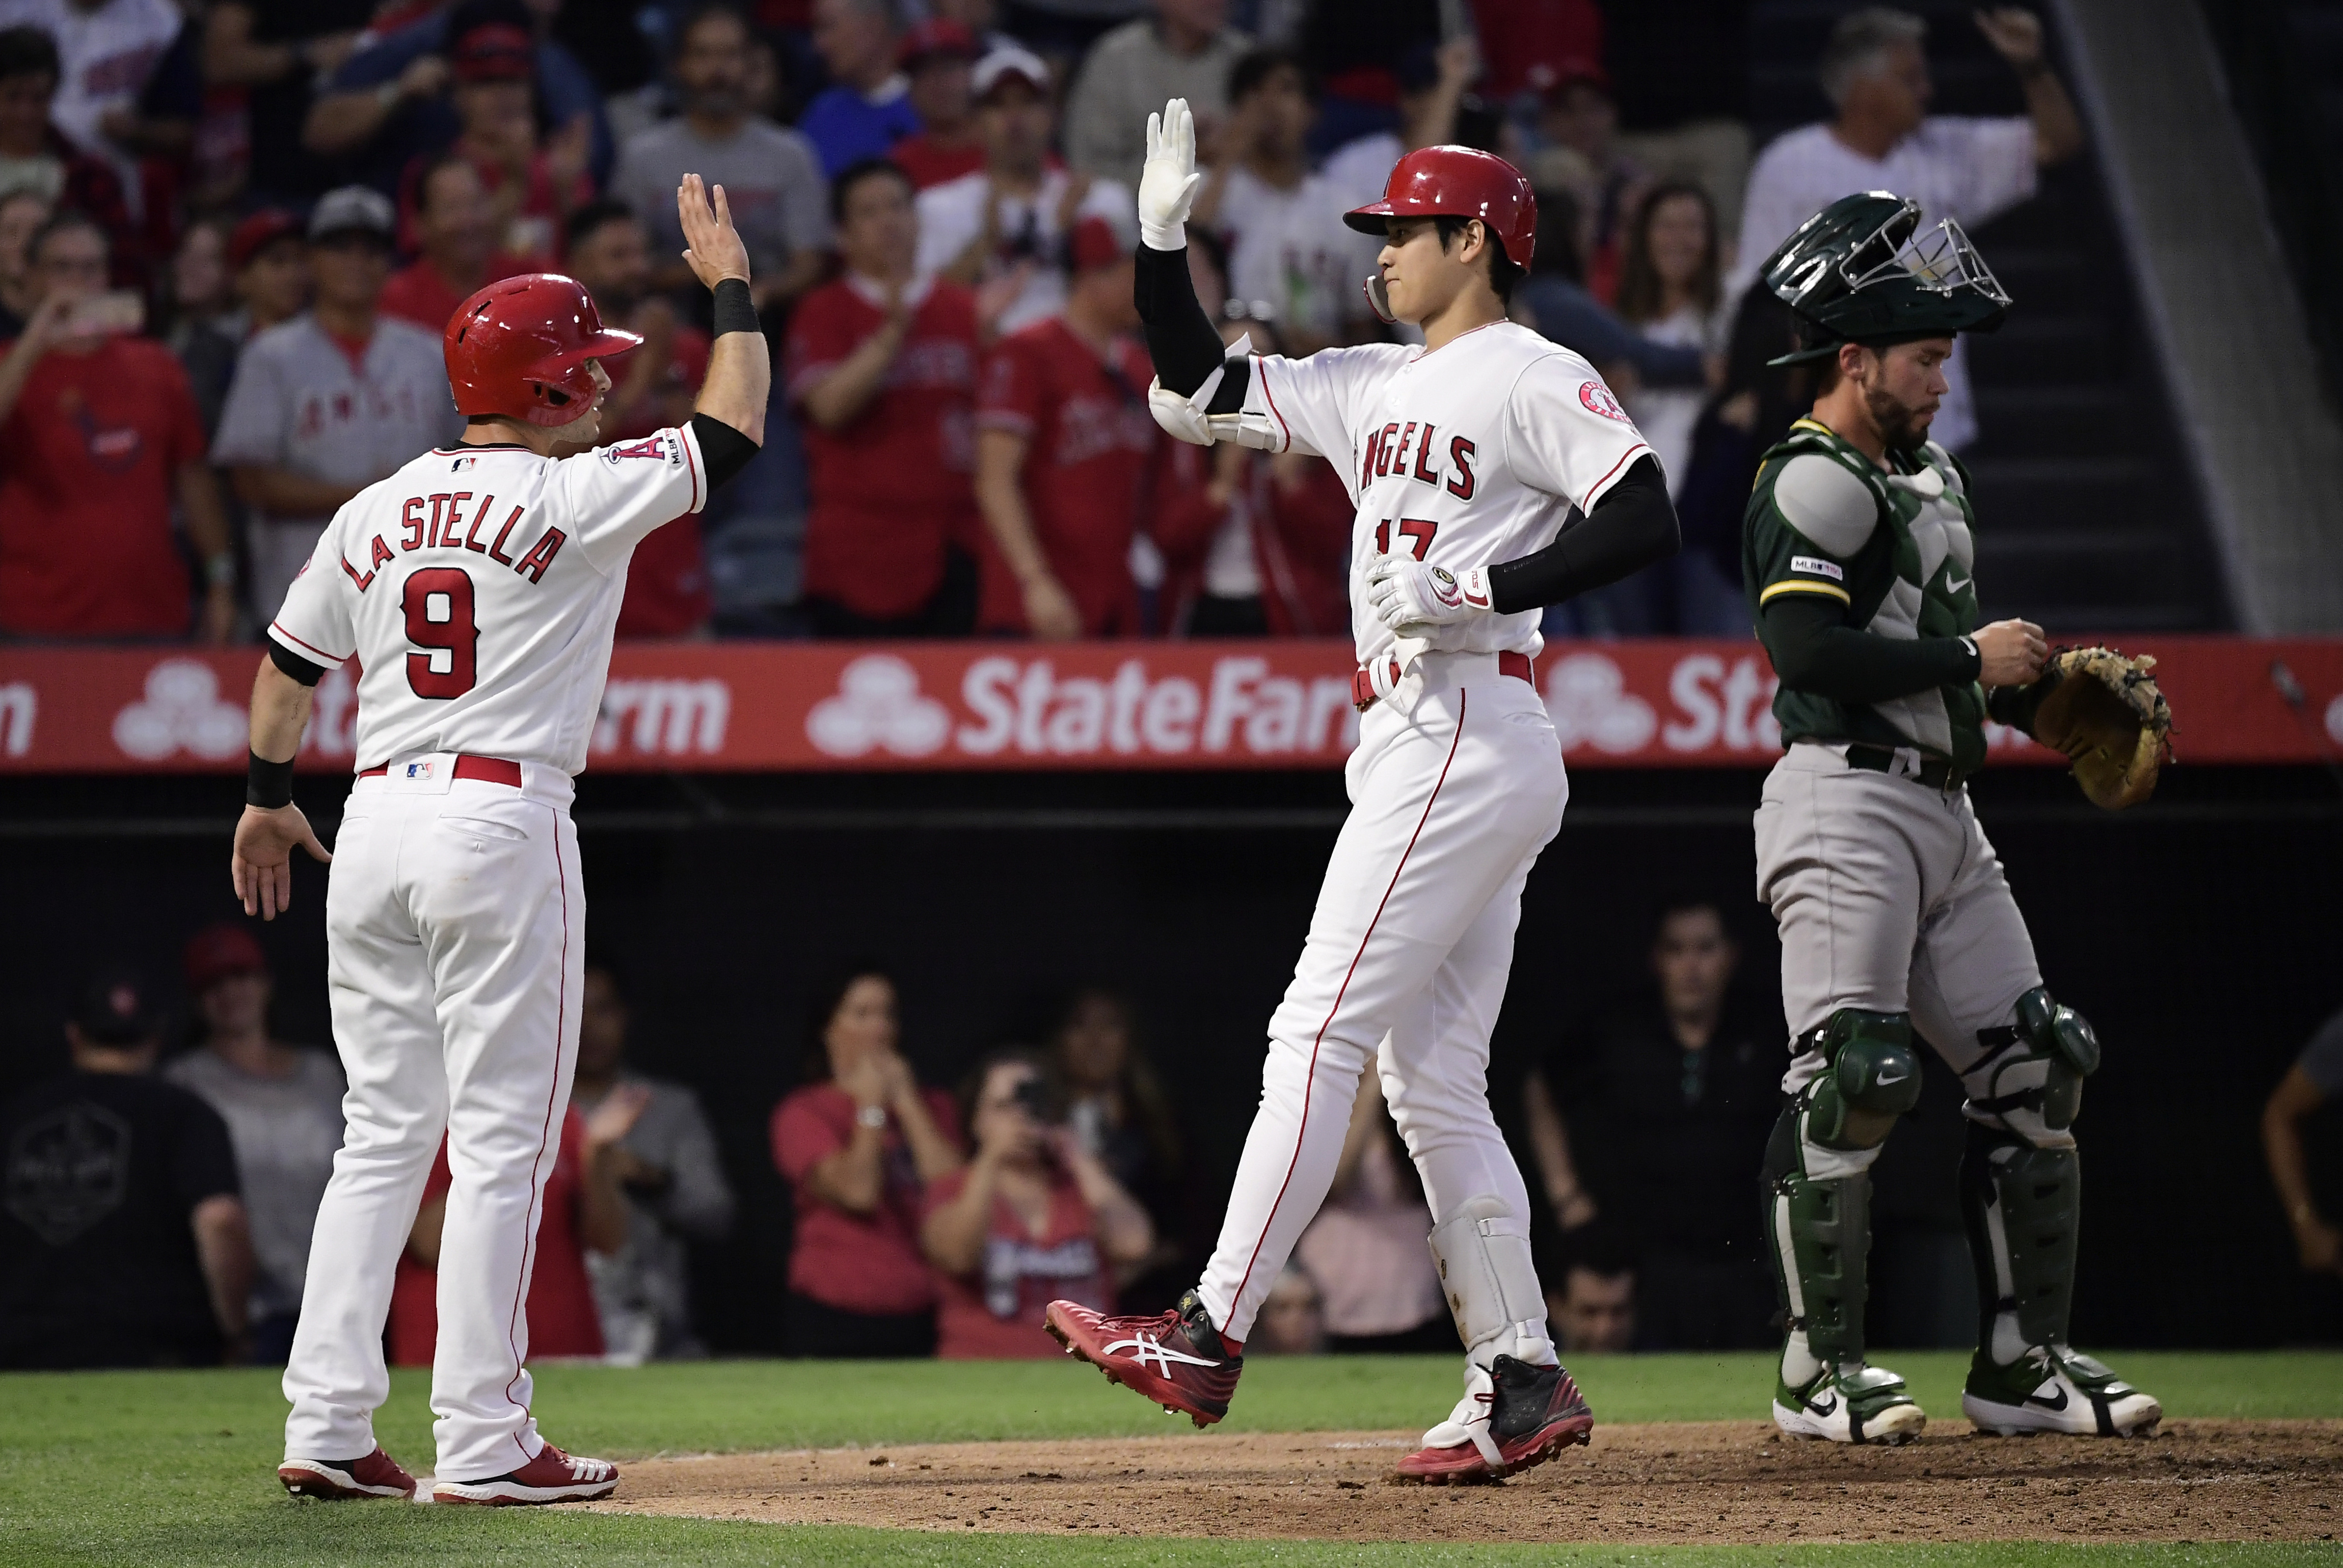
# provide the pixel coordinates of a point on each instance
(1706, 1482)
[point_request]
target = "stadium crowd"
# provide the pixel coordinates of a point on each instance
(233, 231)
(160, 1206)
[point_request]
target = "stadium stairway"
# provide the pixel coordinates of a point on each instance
(2089, 517)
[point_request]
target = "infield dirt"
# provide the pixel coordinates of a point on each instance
(1706, 1482)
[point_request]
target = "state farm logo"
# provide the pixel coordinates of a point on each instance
(1590, 704)
(1013, 706)
(182, 711)
(664, 718)
(879, 708)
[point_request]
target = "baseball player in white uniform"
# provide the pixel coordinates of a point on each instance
(1467, 457)
(477, 587)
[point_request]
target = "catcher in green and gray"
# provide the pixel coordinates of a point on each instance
(1896, 919)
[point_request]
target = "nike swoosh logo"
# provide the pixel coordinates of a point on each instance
(1954, 585)
(1823, 1406)
(1883, 1080)
(2057, 1403)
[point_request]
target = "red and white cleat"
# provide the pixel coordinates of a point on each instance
(1176, 1359)
(347, 1480)
(552, 1476)
(1526, 1416)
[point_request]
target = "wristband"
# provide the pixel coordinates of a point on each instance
(219, 570)
(735, 311)
(874, 1117)
(267, 784)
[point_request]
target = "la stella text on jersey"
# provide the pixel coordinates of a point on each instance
(446, 526)
(1388, 451)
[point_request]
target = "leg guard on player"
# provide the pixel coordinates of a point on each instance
(2021, 1200)
(1519, 1407)
(1855, 1076)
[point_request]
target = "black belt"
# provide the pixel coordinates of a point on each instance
(1936, 773)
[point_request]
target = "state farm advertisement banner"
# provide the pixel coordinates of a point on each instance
(794, 707)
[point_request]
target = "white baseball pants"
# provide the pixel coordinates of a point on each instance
(455, 925)
(1406, 962)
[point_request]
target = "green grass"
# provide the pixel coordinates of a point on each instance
(176, 1467)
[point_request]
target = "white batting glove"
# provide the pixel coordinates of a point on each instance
(1406, 594)
(1168, 182)
(1383, 673)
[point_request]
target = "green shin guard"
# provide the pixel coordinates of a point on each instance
(1818, 1235)
(2022, 1207)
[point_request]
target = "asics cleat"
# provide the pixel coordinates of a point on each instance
(1511, 1417)
(1176, 1359)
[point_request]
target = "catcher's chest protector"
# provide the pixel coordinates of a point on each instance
(1898, 550)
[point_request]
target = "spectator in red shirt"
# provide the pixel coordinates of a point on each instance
(39, 157)
(584, 1209)
(1033, 1219)
(654, 386)
(99, 435)
(883, 366)
(858, 1143)
(941, 58)
(456, 223)
(529, 187)
(1063, 440)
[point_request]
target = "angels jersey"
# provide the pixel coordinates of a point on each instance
(478, 587)
(1464, 457)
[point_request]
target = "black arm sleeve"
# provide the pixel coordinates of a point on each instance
(1180, 338)
(728, 451)
(1815, 651)
(1630, 528)
(294, 667)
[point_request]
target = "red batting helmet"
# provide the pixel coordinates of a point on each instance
(519, 348)
(1458, 181)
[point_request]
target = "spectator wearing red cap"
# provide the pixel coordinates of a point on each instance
(769, 172)
(869, 108)
(883, 364)
(1006, 224)
(652, 388)
(940, 58)
(1536, 45)
(283, 1107)
(456, 223)
(529, 186)
(1185, 50)
(391, 101)
(584, 1209)
(267, 264)
(1063, 440)
(99, 437)
(326, 403)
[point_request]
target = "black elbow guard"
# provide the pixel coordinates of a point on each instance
(727, 450)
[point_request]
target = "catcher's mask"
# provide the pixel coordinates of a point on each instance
(1863, 270)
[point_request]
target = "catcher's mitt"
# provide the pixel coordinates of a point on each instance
(2104, 712)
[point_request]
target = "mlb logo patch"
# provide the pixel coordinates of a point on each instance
(419, 770)
(1818, 568)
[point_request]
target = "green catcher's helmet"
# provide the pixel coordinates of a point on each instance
(1863, 270)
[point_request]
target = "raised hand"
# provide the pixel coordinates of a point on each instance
(712, 246)
(1168, 182)
(2016, 34)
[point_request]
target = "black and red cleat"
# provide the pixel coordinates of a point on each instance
(1176, 1359)
(1530, 1414)
(347, 1480)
